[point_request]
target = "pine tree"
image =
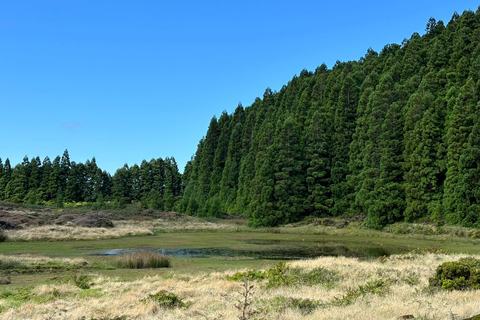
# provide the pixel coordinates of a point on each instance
(289, 190)
(467, 189)
(421, 181)
(343, 130)
(459, 127)
(317, 167)
(389, 202)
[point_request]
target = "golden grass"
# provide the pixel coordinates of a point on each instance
(121, 228)
(211, 296)
(30, 259)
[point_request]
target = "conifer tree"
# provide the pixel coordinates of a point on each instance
(459, 127)
(389, 202)
(467, 189)
(318, 181)
(421, 181)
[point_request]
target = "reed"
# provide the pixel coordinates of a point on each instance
(142, 260)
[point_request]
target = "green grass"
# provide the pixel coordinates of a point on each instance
(298, 236)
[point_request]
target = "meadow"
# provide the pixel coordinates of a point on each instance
(62, 271)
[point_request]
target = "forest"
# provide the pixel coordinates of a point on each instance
(394, 136)
(156, 184)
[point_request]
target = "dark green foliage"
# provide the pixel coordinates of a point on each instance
(157, 182)
(392, 136)
(168, 300)
(457, 275)
(388, 137)
(3, 236)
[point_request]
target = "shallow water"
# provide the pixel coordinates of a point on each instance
(271, 249)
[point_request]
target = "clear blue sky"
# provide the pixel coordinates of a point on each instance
(124, 81)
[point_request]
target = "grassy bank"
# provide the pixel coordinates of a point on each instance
(329, 288)
(52, 271)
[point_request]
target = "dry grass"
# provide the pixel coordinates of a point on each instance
(30, 259)
(53, 232)
(143, 259)
(211, 296)
(121, 228)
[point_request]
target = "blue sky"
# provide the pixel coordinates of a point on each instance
(124, 81)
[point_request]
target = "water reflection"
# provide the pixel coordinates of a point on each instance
(272, 249)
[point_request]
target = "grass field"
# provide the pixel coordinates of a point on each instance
(53, 272)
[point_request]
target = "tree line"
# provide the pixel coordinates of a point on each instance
(156, 184)
(394, 136)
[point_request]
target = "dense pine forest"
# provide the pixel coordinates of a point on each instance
(394, 136)
(156, 184)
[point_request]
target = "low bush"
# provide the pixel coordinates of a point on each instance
(168, 300)
(282, 275)
(143, 259)
(457, 275)
(373, 287)
(251, 274)
(82, 281)
(280, 304)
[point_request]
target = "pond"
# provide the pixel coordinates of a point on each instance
(271, 249)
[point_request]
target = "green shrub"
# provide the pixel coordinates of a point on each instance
(251, 274)
(143, 259)
(82, 281)
(457, 275)
(168, 300)
(279, 276)
(317, 276)
(374, 287)
(471, 262)
(282, 275)
(280, 304)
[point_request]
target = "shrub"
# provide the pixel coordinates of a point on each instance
(282, 275)
(280, 304)
(143, 259)
(82, 281)
(317, 276)
(168, 300)
(375, 287)
(457, 275)
(251, 274)
(3, 236)
(279, 276)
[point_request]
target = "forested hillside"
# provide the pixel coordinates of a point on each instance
(157, 184)
(394, 136)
